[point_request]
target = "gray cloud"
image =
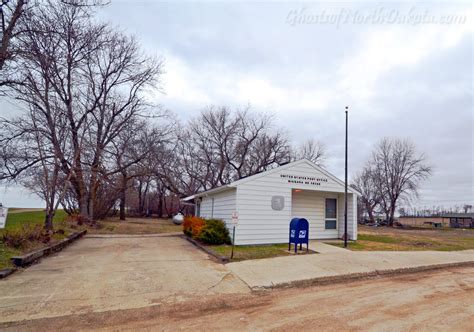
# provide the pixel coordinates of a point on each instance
(406, 80)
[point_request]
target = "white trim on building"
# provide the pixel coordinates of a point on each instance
(266, 202)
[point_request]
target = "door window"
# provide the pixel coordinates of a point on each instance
(331, 213)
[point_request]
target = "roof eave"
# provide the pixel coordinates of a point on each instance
(208, 192)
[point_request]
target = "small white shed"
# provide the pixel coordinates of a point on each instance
(266, 202)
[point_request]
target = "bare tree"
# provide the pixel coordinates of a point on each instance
(139, 152)
(247, 132)
(367, 184)
(312, 150)
(221, 145)
(467, 208)
(10, 13)
(210, 133)
(398, 169)
(86, 74)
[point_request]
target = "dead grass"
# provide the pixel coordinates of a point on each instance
(136, 226)
(395, 239)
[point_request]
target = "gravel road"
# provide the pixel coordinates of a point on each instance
(439, 300)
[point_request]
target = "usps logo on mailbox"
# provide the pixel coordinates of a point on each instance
(292, 233)
(302, 234)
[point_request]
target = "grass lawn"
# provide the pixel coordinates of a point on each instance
(242, 253)
(16, 219)
(5, 254)
(395, 239)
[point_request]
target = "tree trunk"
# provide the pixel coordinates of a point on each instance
(122, 206)
(123, 194)
(144, 211)
(81, 194)
(160, 205)
(370, 213)
(139, 191)
(392, 215)
(83, 210)
(48, 220)
(93, 187)
(165, 207)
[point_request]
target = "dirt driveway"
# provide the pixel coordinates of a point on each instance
(441, 300)
(110, 273)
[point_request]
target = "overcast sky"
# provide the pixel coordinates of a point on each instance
(405, 69)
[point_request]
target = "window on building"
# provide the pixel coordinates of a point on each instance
(331, 224)
(331, 213)
(198, 208)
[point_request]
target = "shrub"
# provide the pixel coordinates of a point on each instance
(192, 226)
(19, 238)
(34, 234)
(14, 239)
(215, 232)
(78, 219)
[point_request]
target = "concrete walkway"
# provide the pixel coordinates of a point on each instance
(333, 262)
(324, 248)
(101, 273)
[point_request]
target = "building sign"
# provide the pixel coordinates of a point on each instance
(307, 180)
(3, 216)
(235, 218)
(278, 203)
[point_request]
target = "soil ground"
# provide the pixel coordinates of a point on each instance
(440, 300)
(136, 226)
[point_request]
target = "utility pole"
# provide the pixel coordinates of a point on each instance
(345, 184)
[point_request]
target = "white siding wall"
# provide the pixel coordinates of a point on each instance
(224, 205)
(205, 207)
(258, 223)
(351, 216)
(353, 230)
(312, 206)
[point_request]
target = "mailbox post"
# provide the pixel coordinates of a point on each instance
(299, 233)
(234, 222)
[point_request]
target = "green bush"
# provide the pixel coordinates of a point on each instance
(215, 232)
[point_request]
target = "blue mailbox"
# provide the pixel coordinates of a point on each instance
(299, 233)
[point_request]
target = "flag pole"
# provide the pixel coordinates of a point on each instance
(345, 183)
